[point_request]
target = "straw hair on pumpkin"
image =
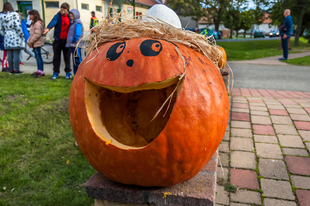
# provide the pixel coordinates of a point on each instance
(124, 27)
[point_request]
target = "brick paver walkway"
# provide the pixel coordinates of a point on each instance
(265, 151)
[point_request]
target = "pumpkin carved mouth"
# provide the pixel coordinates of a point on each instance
(123, 116)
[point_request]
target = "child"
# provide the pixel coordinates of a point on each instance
(61, 22)
(36, 40)
(4, 66)
(76, 31)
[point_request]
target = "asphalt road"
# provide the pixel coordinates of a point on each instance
(290, 78)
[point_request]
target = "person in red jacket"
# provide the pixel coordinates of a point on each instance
(61, 22)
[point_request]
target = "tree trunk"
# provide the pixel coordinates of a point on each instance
(237, 34)
(301, 16)
(197, 24)
(231, 34)
(244, 33)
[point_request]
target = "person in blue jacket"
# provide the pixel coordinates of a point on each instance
(288, 22)
(26, 36)
(61, 22)
(75, 34)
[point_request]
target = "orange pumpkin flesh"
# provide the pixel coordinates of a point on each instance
(114, 97)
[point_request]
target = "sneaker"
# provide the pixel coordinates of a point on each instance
(5, 70)
(18, 72)
(40, 74)
(21, 64)
(55, 75)
(68, 75)
(12, 71)
(35, 73)
(281, 59)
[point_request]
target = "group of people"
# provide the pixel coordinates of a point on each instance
(68, 32)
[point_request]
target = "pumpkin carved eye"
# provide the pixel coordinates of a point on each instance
(115, 51)
(150, 47)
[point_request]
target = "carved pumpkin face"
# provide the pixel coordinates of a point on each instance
(117, 91)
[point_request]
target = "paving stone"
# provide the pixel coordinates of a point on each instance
(263, 129)
(296, 111)
(295, 152)
(303, 197)
(241, 124)
(278, 112)
(242, 160)
(305, 135)
(291, 141)
(268, 150)
(300, 181)
(224, 147)
(307, 109)
(306, 104)
(275, 202)
(244, 179)
(226, 136)
(256, 101)
(241, 132)
(223, 159)
(221, 196)
(281, 120)
(240, 116)
(222, 173)
(308, 146)
(260, 120)
(264, 138)
(256, 108)
(256, 104)
(240, 110)
(275, 106)
(274, 169)
(285, 129)
(292, 106)
(278, 189)
(238, 204)
(246, 196)
(300, 117)
(240, 105)
(259, 113)
(298, 165)
(240, 143)
(302, 125)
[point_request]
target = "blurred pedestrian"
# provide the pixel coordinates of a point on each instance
(75, 34)
(36, 40)
(26, 36)
(93, 21)
(61, 22)
(286, 31)
(10, 28)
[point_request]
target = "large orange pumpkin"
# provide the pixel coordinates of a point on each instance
(117, 91)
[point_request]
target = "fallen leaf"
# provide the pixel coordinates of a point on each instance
(12, 189)
(67, 162)
(4, 188)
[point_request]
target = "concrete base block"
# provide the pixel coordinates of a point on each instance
(200, 190)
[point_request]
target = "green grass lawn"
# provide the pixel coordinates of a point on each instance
(36, 141)
(247, 50)
(303, 61)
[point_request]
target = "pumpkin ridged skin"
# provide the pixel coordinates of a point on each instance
(193, 133)
(223, 60)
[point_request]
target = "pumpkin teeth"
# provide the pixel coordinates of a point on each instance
(127, 119)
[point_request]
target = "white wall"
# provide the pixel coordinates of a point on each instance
(36, 5)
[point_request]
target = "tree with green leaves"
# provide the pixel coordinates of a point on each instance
(247, 21)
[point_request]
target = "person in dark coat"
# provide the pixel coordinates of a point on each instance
(61, 22)
(288, 22)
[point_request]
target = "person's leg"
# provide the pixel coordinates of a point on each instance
(21, 56)
(78, 59)
(10, 59)
(57, 55)
(16, 53)
(285, 47)
(67, 54)
(3, 59)
(38, 55)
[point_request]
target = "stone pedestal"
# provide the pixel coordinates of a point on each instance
(199, 190)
